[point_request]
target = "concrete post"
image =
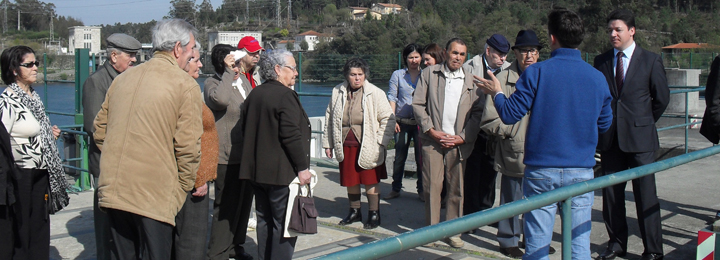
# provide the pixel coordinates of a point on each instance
(683, 77)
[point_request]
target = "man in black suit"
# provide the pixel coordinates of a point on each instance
(640, 95)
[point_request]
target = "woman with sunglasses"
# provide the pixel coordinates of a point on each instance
(40, 183)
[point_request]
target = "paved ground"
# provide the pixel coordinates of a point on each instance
(687, 196)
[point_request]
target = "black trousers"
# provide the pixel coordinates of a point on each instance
(646, 201)
(231, 211)
(479, 191)
(8, 231)
(191, 228)
(33, 220)
(138, 237)
(103, 237)
(271, 204)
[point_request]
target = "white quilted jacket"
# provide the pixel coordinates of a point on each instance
(378, 124)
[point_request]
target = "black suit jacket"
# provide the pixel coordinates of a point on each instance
(8, 169)
(276, 135)
(710, 127)
(644, 97)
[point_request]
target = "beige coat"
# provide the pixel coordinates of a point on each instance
(149, 130)
(378, 125)
(428, 103)
(510, 139)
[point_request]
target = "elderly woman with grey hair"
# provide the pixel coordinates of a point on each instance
(359, 124)
(276, 149)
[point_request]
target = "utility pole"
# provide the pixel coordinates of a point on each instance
(18, 18)
(52, 34)
(277, 15)
(247, 10)
(289, 12)
(5, 17)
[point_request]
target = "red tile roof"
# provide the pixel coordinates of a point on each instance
(691, 46)
(390, 5)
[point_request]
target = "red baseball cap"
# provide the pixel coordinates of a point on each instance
(250, 44)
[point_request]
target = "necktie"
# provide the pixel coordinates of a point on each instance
(619, 75)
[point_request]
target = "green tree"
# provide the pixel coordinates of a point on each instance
(182, 9)
(304, 45)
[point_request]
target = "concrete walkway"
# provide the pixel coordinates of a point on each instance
(687, 195)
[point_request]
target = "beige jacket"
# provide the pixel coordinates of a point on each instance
(428, 103)
(149, 129)
(378, 125)
(510, 141)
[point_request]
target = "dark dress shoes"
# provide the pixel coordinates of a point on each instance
(373, 219)
(353, 216)
(512, 252)
(609, 253)
(651, 257)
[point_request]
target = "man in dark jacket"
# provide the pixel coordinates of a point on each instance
(640, 95)
(121, 49)
(7, 195)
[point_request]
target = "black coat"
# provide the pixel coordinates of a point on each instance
(644, 97)
(8, 169)
(276, 135)
(710, 127)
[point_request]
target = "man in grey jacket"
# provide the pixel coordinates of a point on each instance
(121, 50)
(479, 173)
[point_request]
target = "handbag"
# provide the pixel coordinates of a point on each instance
(304, 215)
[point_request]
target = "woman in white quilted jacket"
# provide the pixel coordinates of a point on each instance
(359, 124)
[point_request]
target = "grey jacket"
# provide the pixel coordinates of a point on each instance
(225, 101)
(93, 95)
(477, 66)
(509, 140)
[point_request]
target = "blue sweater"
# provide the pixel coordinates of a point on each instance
(569, 104)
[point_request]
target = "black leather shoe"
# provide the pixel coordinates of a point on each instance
(609, 253)
(512, 252)
(651, 257)
(551, 250)
(373, 219)
(353, 216)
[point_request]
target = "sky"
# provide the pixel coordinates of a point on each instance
(99, 12)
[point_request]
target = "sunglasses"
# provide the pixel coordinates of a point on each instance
(30, 64)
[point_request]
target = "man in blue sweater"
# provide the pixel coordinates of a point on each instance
(570, 103)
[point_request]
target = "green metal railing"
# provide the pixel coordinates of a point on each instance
(686, 90)
(422, 236)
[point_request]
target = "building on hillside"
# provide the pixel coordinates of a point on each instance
(231, 37)
(284, 44)
(690, 47)
(312, 38)
(386, 9)
(359, 13)
(84, 37)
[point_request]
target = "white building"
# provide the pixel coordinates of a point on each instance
(386, 9)
(84, 37)
(312, 38)
(231, 37)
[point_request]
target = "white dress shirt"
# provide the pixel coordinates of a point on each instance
(454, 81)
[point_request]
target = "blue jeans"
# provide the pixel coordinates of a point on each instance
(539, 223)
(402, 144)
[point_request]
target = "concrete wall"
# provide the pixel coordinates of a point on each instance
(684, 77)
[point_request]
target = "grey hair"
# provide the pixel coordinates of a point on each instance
(198, 46)
(170, 31)
(268, 60)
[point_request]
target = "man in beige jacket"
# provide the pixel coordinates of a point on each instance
(447, 106)
(148, 130)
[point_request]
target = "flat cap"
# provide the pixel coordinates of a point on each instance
(123, 42)
(499, 43)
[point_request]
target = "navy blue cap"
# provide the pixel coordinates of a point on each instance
(527, 38)
(499, 43)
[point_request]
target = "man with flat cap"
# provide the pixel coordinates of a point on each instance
(479, 173)
(509, 141)
(121, 52)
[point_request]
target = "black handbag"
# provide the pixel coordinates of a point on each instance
(304, 215)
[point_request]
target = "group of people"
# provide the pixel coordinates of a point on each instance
(539, 124)
(157, 140)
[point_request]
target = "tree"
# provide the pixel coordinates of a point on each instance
(304, 45)
(182, 9)
(206, 14)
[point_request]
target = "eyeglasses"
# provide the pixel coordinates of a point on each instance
(291, 67)
(30, 64)
(531, 51)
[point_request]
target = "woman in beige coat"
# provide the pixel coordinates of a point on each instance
(359, 123)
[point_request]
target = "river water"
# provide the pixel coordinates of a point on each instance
(61, 98)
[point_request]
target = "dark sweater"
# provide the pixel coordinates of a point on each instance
(569, 104)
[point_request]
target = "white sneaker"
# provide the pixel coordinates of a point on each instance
(252, 224)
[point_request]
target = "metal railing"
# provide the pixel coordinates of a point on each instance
(422, 236)
(686, 90)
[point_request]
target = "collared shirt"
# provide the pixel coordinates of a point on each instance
(401, 92)
(454, 81)
(495, 71)
(626, 58)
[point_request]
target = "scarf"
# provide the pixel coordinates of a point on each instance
(50, 155)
